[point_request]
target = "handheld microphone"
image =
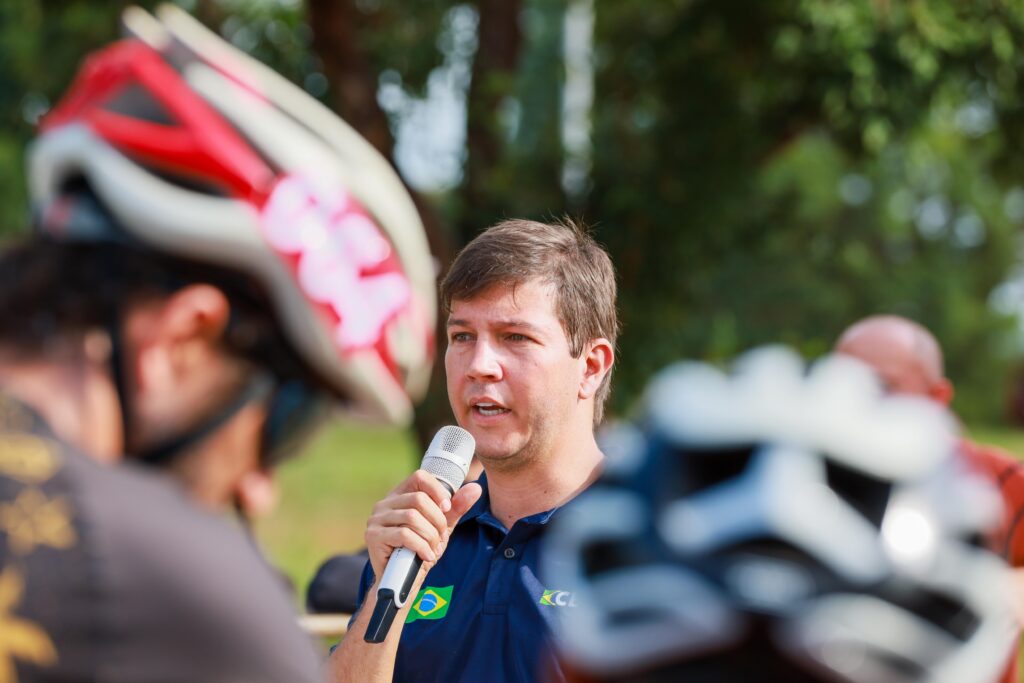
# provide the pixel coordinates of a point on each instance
(447, 458)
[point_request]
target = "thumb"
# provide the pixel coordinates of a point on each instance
(464, 498)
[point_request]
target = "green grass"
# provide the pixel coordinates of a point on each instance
(1008, 438)
(328, 493)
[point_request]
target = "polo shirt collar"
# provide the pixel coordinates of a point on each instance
(481, 511)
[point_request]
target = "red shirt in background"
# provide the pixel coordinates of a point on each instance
(1007, 473)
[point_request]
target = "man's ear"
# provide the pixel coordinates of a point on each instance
(175, 334)
(942, 392)
(598, 357)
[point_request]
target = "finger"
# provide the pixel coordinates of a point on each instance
(402, 537)
(378, 547)
(384, 541)
(462, 501)
(411, 519)
(421, 480)
(415, 500)
(433, 487)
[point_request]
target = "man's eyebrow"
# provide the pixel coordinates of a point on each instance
(521, 324)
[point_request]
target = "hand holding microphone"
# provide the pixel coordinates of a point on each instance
(411, 525)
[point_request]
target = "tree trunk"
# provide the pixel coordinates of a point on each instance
(210, 13)
(336, 25)
(499, 45)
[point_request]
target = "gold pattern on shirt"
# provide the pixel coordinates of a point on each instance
(27, 458)
(19, 638)
(33, 520)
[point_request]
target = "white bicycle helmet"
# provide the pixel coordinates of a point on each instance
(197, 151)
(778, 524)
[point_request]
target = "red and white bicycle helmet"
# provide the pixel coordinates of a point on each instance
(781, 523)
(200, 152)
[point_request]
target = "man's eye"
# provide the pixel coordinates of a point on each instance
(461, 336)
(518, 337)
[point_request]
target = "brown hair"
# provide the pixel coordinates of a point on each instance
(51, 289)
(562, 254)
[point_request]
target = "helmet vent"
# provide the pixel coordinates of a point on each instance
(910, 670)
(867, 494)
(136, 102)
(192, 183)
(611, 555)
(944, 611)
(707, 467)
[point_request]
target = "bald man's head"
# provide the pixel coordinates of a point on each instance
(902, 352)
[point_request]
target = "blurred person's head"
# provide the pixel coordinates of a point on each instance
(532, 325)
(905, 355)
(217, 258)
(780, 523)
(197, 356)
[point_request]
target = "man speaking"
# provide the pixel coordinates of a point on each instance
(531, 338)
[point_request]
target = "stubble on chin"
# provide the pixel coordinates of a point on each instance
(509, 460)
(535, 445)
(506, 462)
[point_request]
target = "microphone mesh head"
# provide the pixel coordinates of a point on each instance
(449, 454)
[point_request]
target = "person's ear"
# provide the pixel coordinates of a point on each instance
(196, 312)
(174, 335)
(598, 357)
(256, 493)
(942, 392)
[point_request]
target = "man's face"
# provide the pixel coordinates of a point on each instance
(511, 381)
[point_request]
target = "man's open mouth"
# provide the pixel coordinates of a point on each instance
(489, 409)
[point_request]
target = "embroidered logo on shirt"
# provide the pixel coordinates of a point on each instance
(26, 458)
(430, 603)
(558, 599)
(19, 638)
(32, 520)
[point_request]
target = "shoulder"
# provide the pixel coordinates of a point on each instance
(188, 583)
(1006, 472)
(142, 583)
(999, 465)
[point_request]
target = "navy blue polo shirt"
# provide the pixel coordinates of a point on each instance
(483, 613)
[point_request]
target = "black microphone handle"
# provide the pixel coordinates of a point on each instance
(387, 606)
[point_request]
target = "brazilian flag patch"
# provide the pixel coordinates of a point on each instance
(430, 603)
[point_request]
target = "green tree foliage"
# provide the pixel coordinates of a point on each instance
(769, 172)
(762, 171)
(41, 46)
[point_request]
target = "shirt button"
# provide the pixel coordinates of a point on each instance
(510, 553)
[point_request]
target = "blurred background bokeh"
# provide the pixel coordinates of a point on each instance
(760, 172)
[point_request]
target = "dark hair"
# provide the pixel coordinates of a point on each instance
(51, 289)
(562, 254)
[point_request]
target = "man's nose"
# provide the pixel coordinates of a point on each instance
(485, 363)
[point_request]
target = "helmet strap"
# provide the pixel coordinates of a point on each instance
(258, 388)
(117, 373)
